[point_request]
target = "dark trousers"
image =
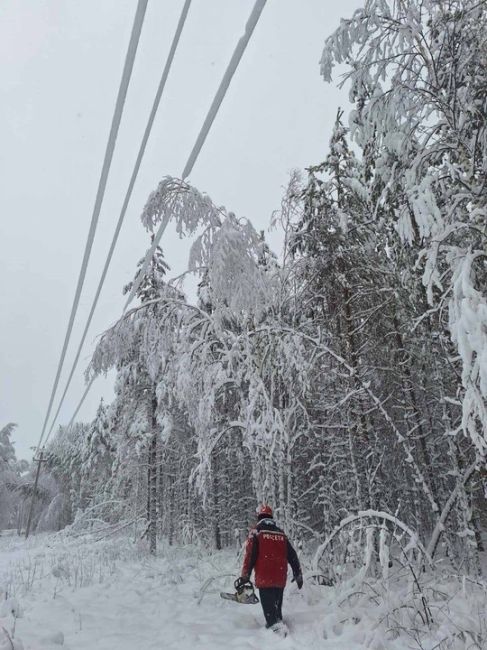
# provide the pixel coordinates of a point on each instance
(271, 601)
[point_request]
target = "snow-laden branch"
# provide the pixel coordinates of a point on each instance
(187, 207)
(440, 524)
(370, 514)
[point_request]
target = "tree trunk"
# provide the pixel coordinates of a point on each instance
(171, 515)
(152, 477)
(408, 386)
(359, 422)
(216, 504)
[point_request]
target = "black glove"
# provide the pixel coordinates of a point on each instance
(299, 580)
(240, 582)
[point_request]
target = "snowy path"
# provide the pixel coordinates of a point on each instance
(147, 604)
(82, 594)
(137, 612)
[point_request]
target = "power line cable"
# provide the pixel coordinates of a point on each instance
(210, 117)
(112, 138)
(128, 195)
(225, 82)
(80, 404)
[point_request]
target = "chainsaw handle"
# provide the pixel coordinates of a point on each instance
(241, 582)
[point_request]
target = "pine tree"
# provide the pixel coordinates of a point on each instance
(136, 346)
(9, 477)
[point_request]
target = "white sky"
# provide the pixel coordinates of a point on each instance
(60, 67)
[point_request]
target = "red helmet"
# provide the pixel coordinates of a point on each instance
(264, 510)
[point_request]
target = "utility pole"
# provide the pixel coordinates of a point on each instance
(39, 462)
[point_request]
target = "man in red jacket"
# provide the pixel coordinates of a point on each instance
(268, 552)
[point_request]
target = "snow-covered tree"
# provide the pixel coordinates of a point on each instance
(9, 476)
(418, 77)
(339, 375)
(137, 347)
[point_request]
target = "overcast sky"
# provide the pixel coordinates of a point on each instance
(60, 67)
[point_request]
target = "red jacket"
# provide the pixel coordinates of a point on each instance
(267, 552)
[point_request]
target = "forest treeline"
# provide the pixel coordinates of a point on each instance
(346, 373)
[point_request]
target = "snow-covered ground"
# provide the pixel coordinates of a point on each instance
(81, 594)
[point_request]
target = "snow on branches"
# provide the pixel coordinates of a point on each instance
(227, 251)
(335, 380)
(418, 75)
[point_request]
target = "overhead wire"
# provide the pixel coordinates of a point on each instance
(112, 138)
(205, 129)
(225, 83)
(80, 403)
(128, 195)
